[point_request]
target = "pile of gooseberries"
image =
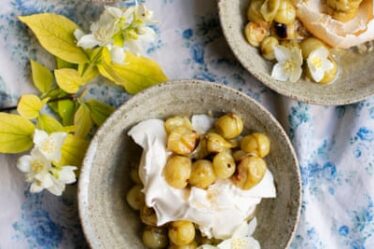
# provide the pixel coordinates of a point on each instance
(199, 160)
(274, 22)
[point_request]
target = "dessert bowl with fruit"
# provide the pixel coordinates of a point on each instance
(189, 165)
(315, 51)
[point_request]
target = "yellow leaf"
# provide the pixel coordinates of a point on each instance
(29, 106)
(41, 77)
(99, 111)
(55, 34)
(88, 72)
(135, 75)
(60, 63)
(68, 79)
(49, 124)
(16, 133)
(73, 151)
(82, 121)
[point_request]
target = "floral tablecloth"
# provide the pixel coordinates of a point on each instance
(335, 145)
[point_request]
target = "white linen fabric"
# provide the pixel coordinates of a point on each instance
(335, 145)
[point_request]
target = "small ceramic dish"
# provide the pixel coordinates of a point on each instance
(355, 80)
(108, 221)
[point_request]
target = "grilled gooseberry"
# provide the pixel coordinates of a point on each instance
(135, 197)
(229, 126)
(255, 33)
(177, 121)
(250, 172)
(286, 13)
(182, 140)
(155, 237)
(202, 174)
(309, 45)
(224, 165)
(148, 216)
(177, 171)
(134, 174)
(253, 12)
(269, 9)
(216, 143)
(181, 233)
(192, 245)
(284, 31)
(256, 143)
(267, 47)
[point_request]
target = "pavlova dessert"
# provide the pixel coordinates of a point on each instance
(303, 36)
(199, 182)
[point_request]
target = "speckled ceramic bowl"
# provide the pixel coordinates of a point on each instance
(354, 83)
(109, 222)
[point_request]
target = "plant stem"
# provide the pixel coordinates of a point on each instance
(11, 108)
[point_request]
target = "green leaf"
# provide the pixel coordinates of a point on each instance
(49, 124)
(135, 75)
(16, 133)
(83, 121)
(69, 79)
(88, 72)
(66, 109)
(60, 63)
(118, 39)
(55, 34)
(55, 93)
(99, 111)
(41, 77)
(29, 106)
(73, 151)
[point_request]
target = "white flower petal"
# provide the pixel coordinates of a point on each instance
(295, 74)
(226, 244)
(147, 34)
(278, 73)
(296, 56)
(317, 74)
(58, 138)
(78, 34)
(327, 65)
(67, 174)
(24, 163)
(252, 226)
(281, 53)
(36, 187)
(117, 54)
(241, 231)
(57, 188)
(144, 14)
(39, 136)
(88, 41)
(45, 178)
(51, 146)
(129, 13)
(253, 243)
(115, 12)
(134, 47)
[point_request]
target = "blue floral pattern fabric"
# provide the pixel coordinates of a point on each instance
(335, 145)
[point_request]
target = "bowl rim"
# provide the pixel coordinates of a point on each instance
(348, 99)
(86, 164)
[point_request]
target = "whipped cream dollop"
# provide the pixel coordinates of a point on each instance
(336, 33)
(218, 210)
